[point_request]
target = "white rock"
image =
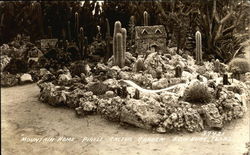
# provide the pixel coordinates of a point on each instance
(26, 78)
(109, 94)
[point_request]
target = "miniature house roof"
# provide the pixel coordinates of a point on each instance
(156, 31)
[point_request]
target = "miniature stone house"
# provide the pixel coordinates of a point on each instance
(150, 36)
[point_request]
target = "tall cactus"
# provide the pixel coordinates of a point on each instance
(117, 29)
(69, 31)
(132, 29)
(198, 48)
(119, 44)
(107, 29)
(108, 40)
(124, 41)
(145, 18)
(76, 24)
(81, 42)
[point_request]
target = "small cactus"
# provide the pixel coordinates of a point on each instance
(145, 18)
(225, 80)
(178, 71)
(198, 48)
(137, 94)
(217, 66)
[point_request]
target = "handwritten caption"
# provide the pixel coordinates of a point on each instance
(207, 136)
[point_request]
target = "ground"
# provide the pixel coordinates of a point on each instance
(24, 116)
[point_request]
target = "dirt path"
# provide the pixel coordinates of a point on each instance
(23, 116)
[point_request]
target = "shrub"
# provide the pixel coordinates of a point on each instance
(197, 92)
(98, 88)
(16, 66)
(77, 68)
(241, 64)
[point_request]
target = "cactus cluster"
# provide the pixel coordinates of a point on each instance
(198, 48)
(119, 44)
(145, 18)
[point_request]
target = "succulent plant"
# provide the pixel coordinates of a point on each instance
(198, 48)
(145, 18)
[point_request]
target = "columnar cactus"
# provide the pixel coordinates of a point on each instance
(124, 39)
(119, 48)
(119, 44)
(108, 40)
(145, 18)
(76, 24)
(117, 29)
(217, 65)
(81, 41)
(198, 47)
(178, 71)
(132, 28)
(69, 31)
(107, 29)
(137, 94)
(225, 79)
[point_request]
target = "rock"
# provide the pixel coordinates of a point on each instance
(101, 67)
(162, 83)
(4, 61)
(8, 80)
(26, 78)
(140, 114)
(212, 116)
(109, 94)
(43, 71)
(169, 99)
(111, 83)
(173, 117)
(124, 75)
(161, 129)
(111, 108)
(87, 106)
(64, 78)
(51, 95)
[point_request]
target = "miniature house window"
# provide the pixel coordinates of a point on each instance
(158, 31)
(144, 32)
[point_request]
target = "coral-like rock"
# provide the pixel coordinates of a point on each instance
(212, 115)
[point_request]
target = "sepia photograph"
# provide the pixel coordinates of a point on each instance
(142, 77)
